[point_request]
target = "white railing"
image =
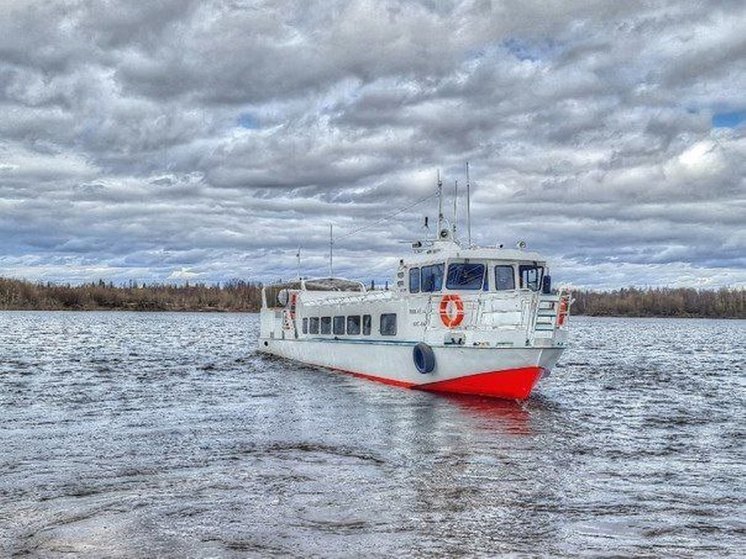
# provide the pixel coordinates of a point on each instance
(345, 299)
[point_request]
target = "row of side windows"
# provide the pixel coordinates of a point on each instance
(352, 325)
(472, 276)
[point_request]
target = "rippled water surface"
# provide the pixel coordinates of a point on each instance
(165, 435)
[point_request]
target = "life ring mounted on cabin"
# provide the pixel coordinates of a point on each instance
(562, 312)
(451, 310)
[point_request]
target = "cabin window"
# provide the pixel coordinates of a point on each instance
(305, 326)
(465, 275)
(414, 280)
(353, 325)
(313, 325)
(388, 324)
(326, 324)
(530, 277)
(504, 278)
(366, 324)
(339, 325)
(432, 278)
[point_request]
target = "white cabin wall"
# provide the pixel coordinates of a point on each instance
(268, 323)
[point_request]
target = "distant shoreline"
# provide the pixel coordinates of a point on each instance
(243, 311)
(243, 296)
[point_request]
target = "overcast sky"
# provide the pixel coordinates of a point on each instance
(207, 140)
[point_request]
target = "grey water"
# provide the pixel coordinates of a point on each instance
(166, 435)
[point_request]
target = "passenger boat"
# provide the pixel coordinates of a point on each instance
(457, 318)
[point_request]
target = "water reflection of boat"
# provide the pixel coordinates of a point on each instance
(459, 319)
(507, 416)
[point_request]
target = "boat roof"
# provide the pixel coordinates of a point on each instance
(454, 250)
(320, 284)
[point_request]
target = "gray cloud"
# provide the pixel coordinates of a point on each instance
(209, 140)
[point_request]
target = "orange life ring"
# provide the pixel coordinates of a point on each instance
(562, 314)
(449, 318)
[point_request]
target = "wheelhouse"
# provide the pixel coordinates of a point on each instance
(462, 274)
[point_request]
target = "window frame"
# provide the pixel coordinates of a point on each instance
(414, 274)
(325, 324)
(381, 321)
(313, 320)
(338, 325)
(439, 288)
(347, 324)
(366, 327)
(305, 325)
(512, 277)
(526, 267)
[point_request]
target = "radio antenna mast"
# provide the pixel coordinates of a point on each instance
(440, 204)
(331, 250)
(468, 205)
(297, 256)
(455, 202)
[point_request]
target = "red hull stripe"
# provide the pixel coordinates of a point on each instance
(513, 384)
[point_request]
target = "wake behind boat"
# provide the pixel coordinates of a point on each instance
(459, 319)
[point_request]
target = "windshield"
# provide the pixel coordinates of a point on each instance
(465, 276)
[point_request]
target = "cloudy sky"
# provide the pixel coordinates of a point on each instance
(207, 140)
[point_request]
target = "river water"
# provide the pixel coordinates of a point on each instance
(165, 435)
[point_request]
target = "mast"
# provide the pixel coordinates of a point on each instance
(297, 256)
(440, 204)
(468, 205)
(331, 250)
(455, 203)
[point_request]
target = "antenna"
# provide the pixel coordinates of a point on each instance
(297, 256)
(440, 203)
(468, 205)
(331, 250)
(455, 202)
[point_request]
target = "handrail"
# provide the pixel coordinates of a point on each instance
(358, 297)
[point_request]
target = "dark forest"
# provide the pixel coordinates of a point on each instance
(243, 296)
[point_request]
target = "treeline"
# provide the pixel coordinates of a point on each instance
(235, 295)
(664, 302)
(238, 295)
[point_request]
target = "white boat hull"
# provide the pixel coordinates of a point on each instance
(510, 372)
(496, 337)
